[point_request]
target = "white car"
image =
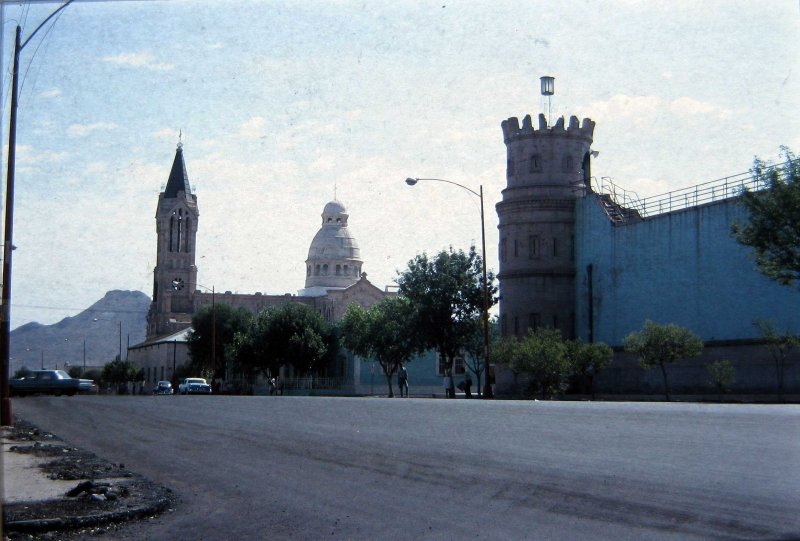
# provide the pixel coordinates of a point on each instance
(194, 386)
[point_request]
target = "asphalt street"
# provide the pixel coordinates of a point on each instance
(376, 468)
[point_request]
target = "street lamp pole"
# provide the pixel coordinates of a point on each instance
(487, 386)
(6, 416)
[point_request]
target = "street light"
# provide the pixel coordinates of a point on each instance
(6, 416)
(487, 386)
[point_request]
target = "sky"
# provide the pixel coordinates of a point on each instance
(283, 106)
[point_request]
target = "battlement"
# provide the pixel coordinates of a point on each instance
(512, 130)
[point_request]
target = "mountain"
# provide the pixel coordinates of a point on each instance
(118, 314)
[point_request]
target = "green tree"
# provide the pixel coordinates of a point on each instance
(773, 231)
(23, 372)
(119, 372)
(662, 344)
(215, 325)
(446, 292)
(382, 333)
(722, 376)
(293, 334)
(779, 346)
(473, 348)
(542, 355)
(589, 359)
(75, 371)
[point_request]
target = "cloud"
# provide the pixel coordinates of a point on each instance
(138, 60)
(82, 130)
(252, 128)
(645, 107)
(28, 155)
(52, 93)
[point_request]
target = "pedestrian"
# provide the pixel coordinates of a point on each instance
(449, 386)
(468, 387)
(271, 386)
(402, 380)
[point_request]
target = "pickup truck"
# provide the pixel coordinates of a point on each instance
(56, 382)
(194, 386)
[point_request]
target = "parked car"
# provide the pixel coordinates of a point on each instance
(194, 386)
(163, 387)
(55, 382)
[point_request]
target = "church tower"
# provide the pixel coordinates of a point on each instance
(175, 274)
(547, 169)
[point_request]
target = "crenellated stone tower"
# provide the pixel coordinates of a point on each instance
(175, 274)
(547, 169)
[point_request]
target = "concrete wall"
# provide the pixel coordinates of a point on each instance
(682, 267)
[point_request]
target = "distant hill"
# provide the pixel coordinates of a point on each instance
(34, 344)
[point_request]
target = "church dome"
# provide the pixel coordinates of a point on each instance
(334, 259)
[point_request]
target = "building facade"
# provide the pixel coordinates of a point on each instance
(582, 257)
(334, 279)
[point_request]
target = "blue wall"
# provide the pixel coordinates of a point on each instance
(683, 267)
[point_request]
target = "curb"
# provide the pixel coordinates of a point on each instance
(62, 523)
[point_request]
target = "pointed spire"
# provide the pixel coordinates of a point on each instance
(178, 179)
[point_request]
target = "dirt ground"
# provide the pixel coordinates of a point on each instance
(106, 495)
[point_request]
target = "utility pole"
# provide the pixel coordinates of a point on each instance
(6, 415)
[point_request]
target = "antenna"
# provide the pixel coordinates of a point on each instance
(548, 89)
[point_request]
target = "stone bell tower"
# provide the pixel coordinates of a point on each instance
(547, 168)
(175, 274)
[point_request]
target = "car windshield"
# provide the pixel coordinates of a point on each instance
(164, 384)
(196, 381)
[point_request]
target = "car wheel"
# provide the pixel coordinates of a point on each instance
(57, 393)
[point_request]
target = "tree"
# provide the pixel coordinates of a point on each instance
(215, 325)
(722, 376)
(75, 371)
(446, 292)
(23, 372)
(293, 334)
(773, 231)
(779, 346)
(589, 359)
(662, 344)
(542, 355)
(119, 372)
(382, 332)
(473, 348)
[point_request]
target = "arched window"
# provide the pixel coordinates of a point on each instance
(316, 270)
(346, 270)
(308, 271)
(188, 246)
(171, 229)
(338, 270)
(325, 269)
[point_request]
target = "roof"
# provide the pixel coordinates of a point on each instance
(178, 179)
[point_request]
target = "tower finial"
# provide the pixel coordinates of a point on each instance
(334, 191)
(180, 139)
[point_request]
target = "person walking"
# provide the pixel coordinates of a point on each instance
(402, 380)
(468, 387)
(449, 385)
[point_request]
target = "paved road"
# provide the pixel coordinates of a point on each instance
(372, 468)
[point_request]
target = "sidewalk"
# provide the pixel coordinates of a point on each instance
(49, 485)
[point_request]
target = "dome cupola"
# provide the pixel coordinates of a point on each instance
(334, 259)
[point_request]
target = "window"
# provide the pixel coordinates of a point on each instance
(347, 270)
(460, 367)
(510, 167)
(325, 269)
(308, 271)
(503, 325)
(534, 321)
(536, 164)
(316, 270)
(338, 270)
(533, 246)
